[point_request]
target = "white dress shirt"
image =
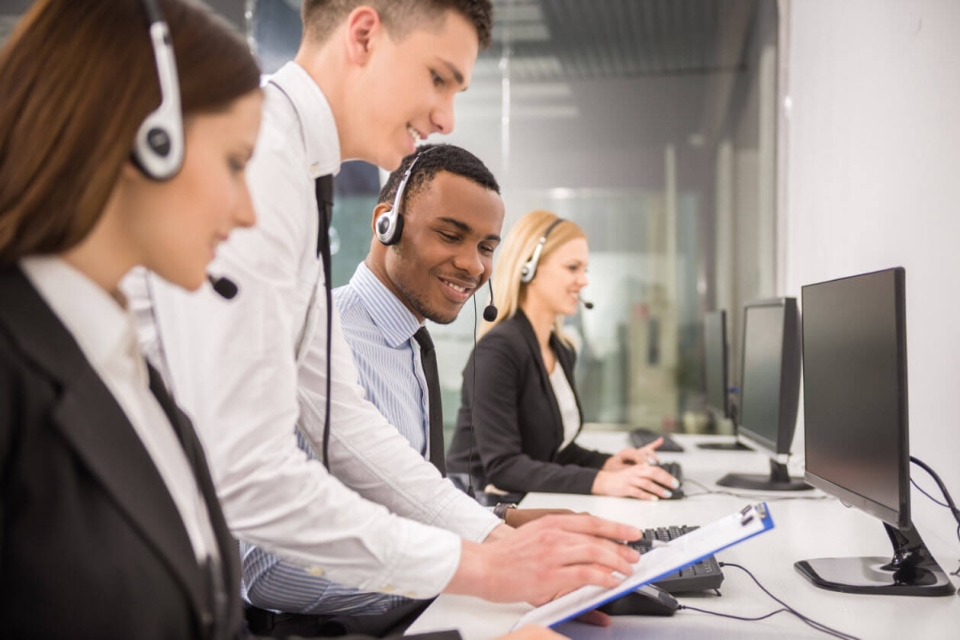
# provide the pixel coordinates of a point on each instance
(106, 334)
(251, 369)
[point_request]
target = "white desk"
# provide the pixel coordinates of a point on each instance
(803, 529)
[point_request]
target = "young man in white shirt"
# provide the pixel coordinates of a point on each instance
(368, 81)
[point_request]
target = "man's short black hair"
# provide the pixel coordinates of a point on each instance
(434, 158)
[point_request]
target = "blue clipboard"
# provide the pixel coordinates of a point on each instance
(658, 563)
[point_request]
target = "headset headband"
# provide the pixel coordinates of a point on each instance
(158, 145)
(529, 268)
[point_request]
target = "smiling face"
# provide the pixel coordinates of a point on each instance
(406, 88)
(560, 277)
(445, 253)
(175, 226)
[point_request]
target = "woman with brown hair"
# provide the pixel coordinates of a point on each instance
(520, 413)
(125, 127)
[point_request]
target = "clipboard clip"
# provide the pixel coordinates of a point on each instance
(748, 512)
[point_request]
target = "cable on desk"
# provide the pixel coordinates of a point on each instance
(819, 626)
(949, 504)
(746, 496)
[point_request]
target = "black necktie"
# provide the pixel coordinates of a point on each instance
(324, 192)
(428, 357)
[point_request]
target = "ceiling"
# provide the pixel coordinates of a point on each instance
(574, 39)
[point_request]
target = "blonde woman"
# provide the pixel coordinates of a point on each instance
(520, 413)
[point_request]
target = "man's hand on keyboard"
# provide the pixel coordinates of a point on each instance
(644, 482)
(633, 456)
(553, 555)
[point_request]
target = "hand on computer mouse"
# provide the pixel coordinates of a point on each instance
(644, 482)
(632, 456)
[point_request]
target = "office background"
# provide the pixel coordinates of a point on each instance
(717, 151)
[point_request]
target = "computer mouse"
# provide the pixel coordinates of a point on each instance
(648, 600)
(675, 494)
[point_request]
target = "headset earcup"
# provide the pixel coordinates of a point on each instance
(525, 276)
(389, 228)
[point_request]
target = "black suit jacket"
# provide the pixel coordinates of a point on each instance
(91, 542)
(513, 423)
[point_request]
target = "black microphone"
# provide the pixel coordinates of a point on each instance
(588, 305)
(490, 312)
(223, 286)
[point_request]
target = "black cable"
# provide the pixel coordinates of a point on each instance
(473, 403)
(943, 489)
(730, 615)
(949, 504)
(819, 626)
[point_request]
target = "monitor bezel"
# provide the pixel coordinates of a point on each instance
(790, 373)
(900, 519)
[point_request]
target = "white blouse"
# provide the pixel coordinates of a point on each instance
(568, 405)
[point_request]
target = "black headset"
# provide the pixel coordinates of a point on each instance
(529, 268)
(158, 146)
(389, 225)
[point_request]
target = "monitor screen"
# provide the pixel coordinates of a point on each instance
(855, 392)
(770, 376)
(715, 359)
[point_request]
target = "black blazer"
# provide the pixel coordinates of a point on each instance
(91, 542)
(513, 423)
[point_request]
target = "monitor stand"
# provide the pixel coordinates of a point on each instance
(911, 572)
(778, 480)
(734, 445)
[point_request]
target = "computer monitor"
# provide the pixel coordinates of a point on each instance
(856, 428)
(769, 391)
(715, 373)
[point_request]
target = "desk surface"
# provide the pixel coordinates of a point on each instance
(803, 529)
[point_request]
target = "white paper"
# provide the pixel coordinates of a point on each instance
(657, 563)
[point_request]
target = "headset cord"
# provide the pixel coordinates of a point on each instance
(473, 401)
(819, 626)
(949, 504)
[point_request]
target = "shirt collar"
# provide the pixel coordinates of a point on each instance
(394, 320)
(103, 329)
(320, 134)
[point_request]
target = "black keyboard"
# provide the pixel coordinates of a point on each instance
(643, 437)
(701, 576)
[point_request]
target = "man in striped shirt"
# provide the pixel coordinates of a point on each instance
(452, 217)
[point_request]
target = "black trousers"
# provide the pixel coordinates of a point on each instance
(282, 625)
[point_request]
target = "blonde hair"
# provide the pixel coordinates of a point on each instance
(516, 251)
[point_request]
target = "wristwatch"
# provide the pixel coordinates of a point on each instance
(501, 509)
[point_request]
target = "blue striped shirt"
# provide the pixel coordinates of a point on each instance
(379, 329)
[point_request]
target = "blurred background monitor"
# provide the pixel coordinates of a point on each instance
(716, 368)
(856, 428)
(769, 391)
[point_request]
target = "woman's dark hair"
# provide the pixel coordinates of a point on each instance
(77, 78)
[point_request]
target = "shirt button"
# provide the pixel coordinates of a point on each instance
(411, 594)
(315, 169)
(388, 588)
(316, 572)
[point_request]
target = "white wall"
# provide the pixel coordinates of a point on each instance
(873, 172)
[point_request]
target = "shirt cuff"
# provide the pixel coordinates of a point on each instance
(424, 562)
